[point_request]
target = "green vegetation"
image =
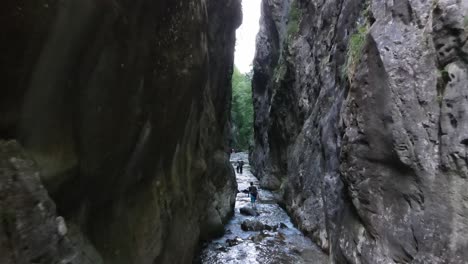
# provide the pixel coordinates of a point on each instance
(355, 46)
(442, 80)
(294, 19)
(242, 110)
(356, 43)
(444, 75)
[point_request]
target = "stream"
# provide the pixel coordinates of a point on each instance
(282, 244)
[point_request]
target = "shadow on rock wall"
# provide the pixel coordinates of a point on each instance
(124, 107)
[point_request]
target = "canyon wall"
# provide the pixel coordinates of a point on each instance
(114, 119)
(360, 124)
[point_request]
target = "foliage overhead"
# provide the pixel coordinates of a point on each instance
(241, 110)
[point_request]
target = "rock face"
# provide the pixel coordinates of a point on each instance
(360, 121)
(124, 107)
(31, 231)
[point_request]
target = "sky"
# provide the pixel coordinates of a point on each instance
(245, 34)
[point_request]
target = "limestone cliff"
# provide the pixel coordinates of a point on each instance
(122, 108)
(360, 122)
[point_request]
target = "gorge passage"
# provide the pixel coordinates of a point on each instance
(115, 127)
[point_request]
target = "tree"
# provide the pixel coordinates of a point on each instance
(241, 110)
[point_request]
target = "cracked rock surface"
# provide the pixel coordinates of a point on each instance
(368, 151)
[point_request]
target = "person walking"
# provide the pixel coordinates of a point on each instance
(241, 165)
(253, 192)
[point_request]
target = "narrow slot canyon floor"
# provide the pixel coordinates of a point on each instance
(278, 241)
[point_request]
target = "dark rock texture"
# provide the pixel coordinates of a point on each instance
(124, 106)
(254, 225)
(30, 230)
(360, 122)
(247, 210)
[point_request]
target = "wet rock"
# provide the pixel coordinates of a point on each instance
(296, 251)
(254, 225)
(259, 237)
(222, 248)
(245, 191)
(246, 210)
(283, 225)
(280, 236)
(271, 228)
(233, 242)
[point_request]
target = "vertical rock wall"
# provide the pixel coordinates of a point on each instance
(359, 122)
(124, 108)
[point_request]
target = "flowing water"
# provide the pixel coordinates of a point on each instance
(285, 245)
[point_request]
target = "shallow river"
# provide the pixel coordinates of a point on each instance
(285, 245)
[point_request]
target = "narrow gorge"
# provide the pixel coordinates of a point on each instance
(116, 129)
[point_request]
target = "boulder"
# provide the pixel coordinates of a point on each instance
(234, 241)
(258, 237)
(248, 211)
(254, 225)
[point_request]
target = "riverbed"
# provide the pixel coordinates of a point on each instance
(284, 244)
